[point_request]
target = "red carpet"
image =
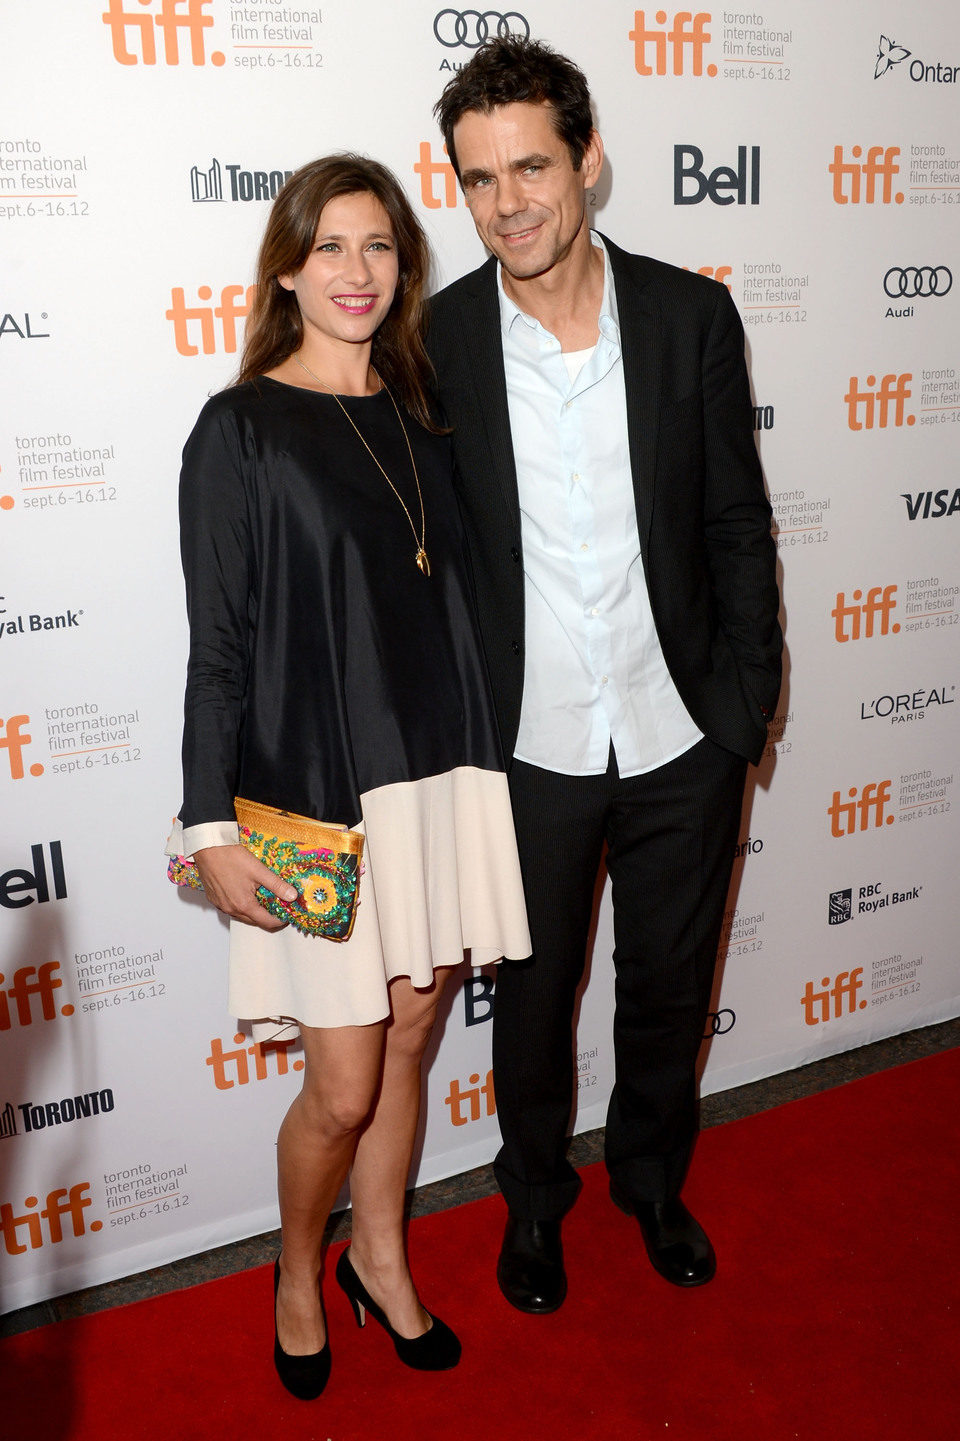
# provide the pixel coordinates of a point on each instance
(833, 1314)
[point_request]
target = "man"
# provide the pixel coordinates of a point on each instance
(625, 575)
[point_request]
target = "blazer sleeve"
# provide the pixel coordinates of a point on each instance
(216, 549)
(740, 550)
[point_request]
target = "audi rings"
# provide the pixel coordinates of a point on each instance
(917, 281)
(472, 27)
(719, 1023)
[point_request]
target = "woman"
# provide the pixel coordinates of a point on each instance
(335, 672)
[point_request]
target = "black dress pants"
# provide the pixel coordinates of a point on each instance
(670, 837)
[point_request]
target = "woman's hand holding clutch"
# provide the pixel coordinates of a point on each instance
(231, 876)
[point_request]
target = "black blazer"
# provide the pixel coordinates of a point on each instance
(702, 511)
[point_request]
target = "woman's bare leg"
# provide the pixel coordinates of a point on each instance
(315, 1147)
(382, 1164)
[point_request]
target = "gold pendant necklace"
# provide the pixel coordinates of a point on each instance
(423, 563)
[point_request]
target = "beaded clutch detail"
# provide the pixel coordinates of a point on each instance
(320, 860)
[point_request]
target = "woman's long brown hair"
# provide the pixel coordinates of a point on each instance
(274, 326)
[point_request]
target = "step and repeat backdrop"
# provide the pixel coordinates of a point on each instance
(807, 156)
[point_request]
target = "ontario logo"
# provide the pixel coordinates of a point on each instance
(890, 55)
(206, 186)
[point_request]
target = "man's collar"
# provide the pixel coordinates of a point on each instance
(608, 320)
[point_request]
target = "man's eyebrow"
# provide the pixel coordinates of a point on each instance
(470, 177)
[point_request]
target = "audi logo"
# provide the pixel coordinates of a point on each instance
(914, 281)
(472, 27)
(718, 1023)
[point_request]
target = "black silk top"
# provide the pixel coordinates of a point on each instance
(322, 662)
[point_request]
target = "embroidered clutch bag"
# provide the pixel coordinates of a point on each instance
(320, 860)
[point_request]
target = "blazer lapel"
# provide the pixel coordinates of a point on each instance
(640, 340)
(482, 343)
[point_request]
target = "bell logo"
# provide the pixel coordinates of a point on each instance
(724, 185)
(219, 1059)
(472, 1095)
(879, 602)
(228, 312)
(23, 990)
(428, 169)
(60, 1203)
(869, 408)
(834, 999)
(140, 30)
(847, 175)
(680, 39)
(13, 739)
(16, 885)
(847, 817)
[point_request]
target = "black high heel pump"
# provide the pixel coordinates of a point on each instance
(303, 1376)
(436, 1350)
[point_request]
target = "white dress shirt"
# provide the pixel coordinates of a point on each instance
(593, 671)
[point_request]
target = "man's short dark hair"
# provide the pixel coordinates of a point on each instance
(504, 72)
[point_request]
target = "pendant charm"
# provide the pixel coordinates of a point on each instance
(422, 562)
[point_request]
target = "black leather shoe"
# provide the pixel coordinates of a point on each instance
(438, 1349)
(678, 1246)
(304, 1376)
(530, 1269)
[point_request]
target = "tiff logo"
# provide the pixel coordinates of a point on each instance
(13, 739)
(60, 1203)
(870, 171)
(879, 602)
(471, 1095)
(834, 999)
(23, 990)
(428, 169)
(847, 817)
(680, 39)
(219, 1060)
(140, 29)
(876, 404)
(228, 312)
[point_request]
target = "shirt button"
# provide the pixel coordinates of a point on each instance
(584, 546)
(575, 476)
(603, 680)
(595, 610)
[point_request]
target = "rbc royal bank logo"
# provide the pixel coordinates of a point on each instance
(840, 909)
(133, 32)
